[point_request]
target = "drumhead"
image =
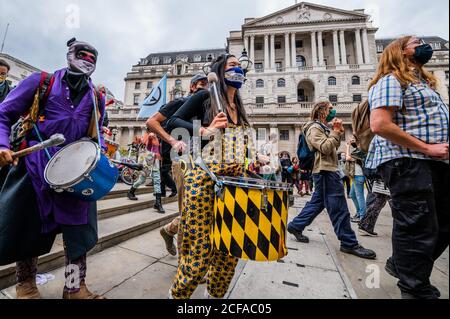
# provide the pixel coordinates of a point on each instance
(71, 163)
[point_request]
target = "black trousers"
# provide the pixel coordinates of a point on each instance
(166, 179)
(420, 208)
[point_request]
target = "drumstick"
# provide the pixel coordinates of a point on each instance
(54, 140)
(213, 80)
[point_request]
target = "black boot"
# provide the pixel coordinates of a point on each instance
(131, 194)
(158, 205)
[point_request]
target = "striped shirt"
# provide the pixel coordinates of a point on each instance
(424, 116)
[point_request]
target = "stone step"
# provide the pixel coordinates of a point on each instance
(112, 231)
(118, 206)
(122, 189)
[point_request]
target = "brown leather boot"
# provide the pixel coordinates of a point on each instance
(83, 294)
(28, 290)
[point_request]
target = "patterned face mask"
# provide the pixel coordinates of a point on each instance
(77, 63)
(234, 77)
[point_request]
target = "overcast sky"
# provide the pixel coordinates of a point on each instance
(125, 31)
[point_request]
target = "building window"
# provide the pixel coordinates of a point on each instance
(333, 98)
(155, 60)
(167, 60)
(258, 46)
(446, 75)
(197, 58)
(436, 45)
(137, 86)
(259, 101)
(177, 82)
(259, 83)
(356, 80)
(261, 134)
(299, 43)
(301, 61)
(136, 99)
(281, 99)
(277, 45)
(332, 81)
(284, 135)
(179, 69)
(281, 83)
(380, 48)
(357, 98)
(279, 66)
(259, 67)
(149, 85)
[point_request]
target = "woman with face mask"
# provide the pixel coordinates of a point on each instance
(329, 190)
(197, 256)
(410, 151)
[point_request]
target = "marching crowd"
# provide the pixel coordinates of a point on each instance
(398, 154)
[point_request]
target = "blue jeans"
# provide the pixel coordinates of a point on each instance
(357, 195)
(329, 193)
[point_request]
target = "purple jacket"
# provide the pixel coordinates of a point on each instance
(60, 117)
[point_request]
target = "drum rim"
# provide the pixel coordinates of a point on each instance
(260, 183)
(78, 179)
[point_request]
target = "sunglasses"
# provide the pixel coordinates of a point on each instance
(416, 41)
(87, 56)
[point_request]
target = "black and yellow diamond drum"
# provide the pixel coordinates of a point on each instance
(250, 218)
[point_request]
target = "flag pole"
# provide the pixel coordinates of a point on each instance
(4, 38)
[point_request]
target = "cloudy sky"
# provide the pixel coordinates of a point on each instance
(125, 31)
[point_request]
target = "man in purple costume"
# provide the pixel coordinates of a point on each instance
(31, 213)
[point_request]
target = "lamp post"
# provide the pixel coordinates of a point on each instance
(246, 63)
(207, 66)
(115, 132)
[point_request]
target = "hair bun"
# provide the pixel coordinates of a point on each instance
(71, 41)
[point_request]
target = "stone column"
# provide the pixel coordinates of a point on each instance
(343, 48)
(252, 48)
(293, 51)
(246, 42)
(266, 52)
(314, 48)
(320, 44)
(130, 134)
(359, 53)
(337, 60)
(287, 56)
(272, 51)
(365, 39)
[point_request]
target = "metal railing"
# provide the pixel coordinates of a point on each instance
(294, 108)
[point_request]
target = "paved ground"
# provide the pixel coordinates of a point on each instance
(140, 268)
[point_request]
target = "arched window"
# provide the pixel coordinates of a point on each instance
(281, 83)
(259, 83)
(301, 61)
(331, 80)
(356, 80)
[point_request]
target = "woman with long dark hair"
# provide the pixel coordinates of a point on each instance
(197, 256)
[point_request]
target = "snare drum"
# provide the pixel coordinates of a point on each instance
(82, 170)
(250, 218)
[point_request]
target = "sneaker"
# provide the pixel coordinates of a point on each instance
(361, 252)
(173, 194)
(355, 219)
(368, 233)
(299, 236)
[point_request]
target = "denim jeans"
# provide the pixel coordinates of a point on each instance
(357, 195)
(329, 193)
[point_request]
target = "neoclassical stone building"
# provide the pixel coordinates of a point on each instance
(19, 69)
(300, 55)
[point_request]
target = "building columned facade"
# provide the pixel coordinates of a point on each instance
(301, 54)
(19, 69)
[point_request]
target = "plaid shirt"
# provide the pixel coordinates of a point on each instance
(425, 116)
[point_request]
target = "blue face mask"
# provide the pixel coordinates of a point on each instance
(235, 77)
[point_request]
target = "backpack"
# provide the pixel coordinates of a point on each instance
(361, 126)
(305, 155)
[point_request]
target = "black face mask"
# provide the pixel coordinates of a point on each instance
(423, 54)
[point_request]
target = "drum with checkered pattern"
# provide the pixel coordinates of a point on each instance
(250, 218)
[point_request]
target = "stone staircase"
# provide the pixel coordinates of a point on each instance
(118, 220)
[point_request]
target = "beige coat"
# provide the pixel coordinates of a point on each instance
(326, 143)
